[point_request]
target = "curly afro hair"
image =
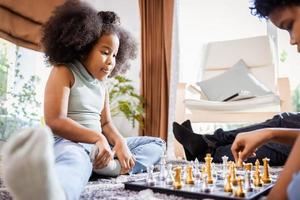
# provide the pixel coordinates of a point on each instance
(262, 8)
(75, 27)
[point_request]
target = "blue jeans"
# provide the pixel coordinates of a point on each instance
(293, 188)
(74, 168)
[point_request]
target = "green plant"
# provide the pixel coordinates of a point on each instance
(296, 99)
(123, 98)
(18, 103)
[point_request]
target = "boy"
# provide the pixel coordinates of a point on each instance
(285, 14)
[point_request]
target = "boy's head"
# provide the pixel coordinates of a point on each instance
(75, 28)
(285, 14)
(263, 8)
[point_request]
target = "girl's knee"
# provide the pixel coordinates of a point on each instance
(160, 142)
(160, 145)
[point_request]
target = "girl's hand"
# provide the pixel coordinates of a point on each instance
(105, 154)
(125, 157)
(245, 144)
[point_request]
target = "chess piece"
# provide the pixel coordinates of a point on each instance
(208, 159)
(239, 162)
(205, 187)
(233, 175)
(163, 170)
(266, 177)
(203, 171)
(240, 191)
(183, 173)
(224, 166)
(177, 179)
(169, 178)
(248, 186)
(257, 166)
(189, 178)
(228, 185)
(197, 173)
(257, 179)
(248, 166)
(150, 178)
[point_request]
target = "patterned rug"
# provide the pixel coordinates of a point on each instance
(112, 188)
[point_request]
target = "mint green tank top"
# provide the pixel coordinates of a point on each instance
(86, 99)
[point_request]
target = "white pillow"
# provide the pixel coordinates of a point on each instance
(232, 81)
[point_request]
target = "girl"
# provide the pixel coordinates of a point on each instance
(85, 48)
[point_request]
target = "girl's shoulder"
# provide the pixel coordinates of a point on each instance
(62, 72)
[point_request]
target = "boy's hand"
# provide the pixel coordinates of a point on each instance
(105, 154)
(245, 144)
(125, 157)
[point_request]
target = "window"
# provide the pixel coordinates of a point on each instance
(203, 21)
(23, 75)
(200, 22)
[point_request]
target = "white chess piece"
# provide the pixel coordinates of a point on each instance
(169, 178)
(163, 170)
(224, 166)
(205, 187)
(248, 186)
(150, 177)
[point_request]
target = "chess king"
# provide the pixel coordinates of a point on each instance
(285, 14)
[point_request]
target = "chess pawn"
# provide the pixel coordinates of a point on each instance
(240, 191)
(163, 162)
(197, 174)
(239, 162)
(183, 173)
(203, 172)
(205, 187)
(150, 178)
(248, 166)
(177, 178)
(248, 186)
(233, 175)
(189, 178)
(257, 179)
(163, 173)
(208, 159)
(266, 178)
(169, 178)
(228, 185)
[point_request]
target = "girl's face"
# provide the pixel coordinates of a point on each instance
(288, 18)
(102, 58)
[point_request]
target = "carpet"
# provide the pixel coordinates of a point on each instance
(111, 188)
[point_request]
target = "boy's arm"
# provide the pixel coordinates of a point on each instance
(248, 142)
(292, 166)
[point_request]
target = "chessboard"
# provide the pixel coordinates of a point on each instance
(228, 180)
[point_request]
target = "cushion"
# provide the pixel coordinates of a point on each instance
(233, 81)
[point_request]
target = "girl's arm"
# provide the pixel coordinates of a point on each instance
(292, 166)
(55, 108)
(109, 130)
(124, 155)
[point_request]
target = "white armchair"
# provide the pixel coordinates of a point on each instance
(258, 55)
